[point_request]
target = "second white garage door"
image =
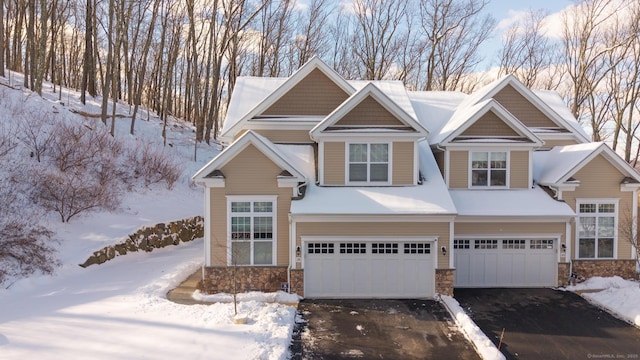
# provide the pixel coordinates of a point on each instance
(505, 263)
(369, 269)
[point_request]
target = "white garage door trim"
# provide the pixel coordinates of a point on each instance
(369, 267)
(506, 261)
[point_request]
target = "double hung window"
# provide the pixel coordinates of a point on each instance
(489, 168)
(368, 163)
(596, 229)
(251, 231)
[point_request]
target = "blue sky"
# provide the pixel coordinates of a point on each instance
(503, 10)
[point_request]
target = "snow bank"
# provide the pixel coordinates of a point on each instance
(276, 297)
(618, 296)
(471, 331)
(119, 310)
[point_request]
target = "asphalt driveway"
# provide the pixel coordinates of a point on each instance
(549, 324)
(378, 329)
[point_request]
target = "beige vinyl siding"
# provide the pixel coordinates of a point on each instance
(600, 179)
(489, 125)
(249, 173)
(426, 229)
(458, 169)
(218, 228)
(286, 136)
(519, 172)
(316, 94)
(334, 158)
(369, 113)
(522, 109)
(402, 163)
(552, 143)
(523, 229)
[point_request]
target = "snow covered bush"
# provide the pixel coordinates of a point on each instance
(25, 246)
(35, 130)
(78, 147)
(73, 192)
(153, 165)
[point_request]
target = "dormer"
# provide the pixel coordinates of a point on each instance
(484, 146)
(543, 112)
(369, 140)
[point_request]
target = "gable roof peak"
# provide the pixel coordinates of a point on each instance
(369, 90)
(315, 63)
(264, 145)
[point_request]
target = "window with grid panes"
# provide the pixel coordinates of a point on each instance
(596, 230)
(252, 232)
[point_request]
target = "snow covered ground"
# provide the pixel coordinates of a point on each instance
(620, 297)
(119, 309)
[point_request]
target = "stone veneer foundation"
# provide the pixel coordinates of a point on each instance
(253, 278)
(588, 268)
(563, 274)
(444, 281)
(247, 278)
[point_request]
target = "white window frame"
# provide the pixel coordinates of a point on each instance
(489, 152)
(274, 215)
(615, 203)
(368, 163)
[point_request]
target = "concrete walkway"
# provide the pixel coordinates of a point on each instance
(183, 293)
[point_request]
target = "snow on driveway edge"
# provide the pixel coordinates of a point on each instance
(485, 348)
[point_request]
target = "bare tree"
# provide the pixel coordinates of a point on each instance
(585, 47)
(527, 52)
(311, 36)
(377, 37)
(89, 62)
(2, 38)
(628, 230)
(454, 31)
(623, 85)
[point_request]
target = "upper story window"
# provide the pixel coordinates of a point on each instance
(596, 229)
(489, 168)
(251, 230)
(368, 163)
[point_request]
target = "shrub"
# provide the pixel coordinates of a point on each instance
(35, 131)
(78, 147)
(25, 249)
(25, 246)
(153, 165)
(73, 192)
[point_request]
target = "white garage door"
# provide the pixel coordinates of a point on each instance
(505, 263)
(361, 269)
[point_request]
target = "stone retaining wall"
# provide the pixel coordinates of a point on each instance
(151, 237)
(444, 281)
(626, 269)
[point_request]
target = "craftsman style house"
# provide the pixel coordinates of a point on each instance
(335, 188)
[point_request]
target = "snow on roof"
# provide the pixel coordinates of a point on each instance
(430, 198)
(513, 202)
(551, 166)
(435, 108)
(300, 156)
(248, 92)
(555, 102)
(459, 118)
(394, 89)
(367, 200)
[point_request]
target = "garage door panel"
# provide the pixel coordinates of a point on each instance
(387, 273)
(505, 263)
